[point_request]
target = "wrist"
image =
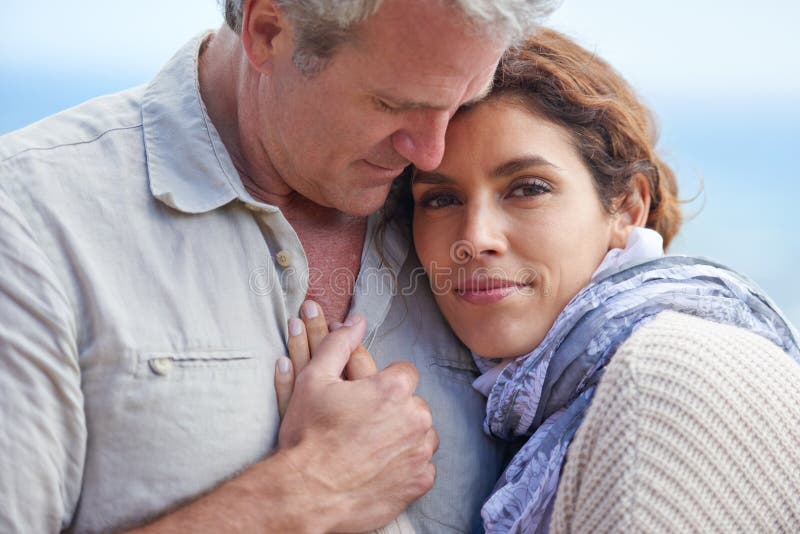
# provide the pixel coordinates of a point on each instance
(297, 498)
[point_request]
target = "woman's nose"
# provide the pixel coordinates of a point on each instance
(482, 234)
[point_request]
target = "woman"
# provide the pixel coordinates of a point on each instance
(643, 391)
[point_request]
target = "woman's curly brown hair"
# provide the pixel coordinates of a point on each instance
(615, 134)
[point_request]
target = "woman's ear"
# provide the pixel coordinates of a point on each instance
(263, 29)
(632, 211)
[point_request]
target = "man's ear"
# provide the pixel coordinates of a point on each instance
(264, 28)
(632, 211)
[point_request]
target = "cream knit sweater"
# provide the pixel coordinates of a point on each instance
(695, 427)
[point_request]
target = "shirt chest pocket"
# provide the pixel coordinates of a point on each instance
(224, 365)
(177, 426)
(207, 389)
(214, 394)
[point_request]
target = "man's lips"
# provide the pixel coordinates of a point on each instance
(388, 168)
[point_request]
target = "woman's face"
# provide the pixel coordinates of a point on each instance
(509, 227)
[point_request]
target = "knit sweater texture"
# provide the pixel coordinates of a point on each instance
(695, 427)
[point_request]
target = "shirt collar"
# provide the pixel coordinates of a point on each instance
(190, 170)
(382, 260)
(187, 163)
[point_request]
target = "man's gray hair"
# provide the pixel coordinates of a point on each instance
(322, 25)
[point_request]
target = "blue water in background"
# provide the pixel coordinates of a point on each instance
(740, 156)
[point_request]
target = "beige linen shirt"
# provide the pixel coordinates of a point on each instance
(144, 298)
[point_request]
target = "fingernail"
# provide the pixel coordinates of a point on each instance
(310, 310)
(295, 326)
(352, 320)
(335, 326)
(284, 365)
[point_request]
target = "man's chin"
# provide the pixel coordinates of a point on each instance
(355, 210)
(365, 202)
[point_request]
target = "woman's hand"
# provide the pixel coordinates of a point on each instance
(304, 337)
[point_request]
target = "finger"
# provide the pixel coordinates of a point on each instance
(432, 440)
(316, 326)
(298, 345)
(360, 364)
(334, 351)
(284, 383)
(422, 406)
(399, 379)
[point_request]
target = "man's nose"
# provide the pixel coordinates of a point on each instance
(422, 141)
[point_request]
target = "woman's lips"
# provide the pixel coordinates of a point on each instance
(488, 291)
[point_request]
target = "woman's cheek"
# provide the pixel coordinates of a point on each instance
(429, 242)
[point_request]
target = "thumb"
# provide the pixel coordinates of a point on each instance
(334, 351)
(361, 364)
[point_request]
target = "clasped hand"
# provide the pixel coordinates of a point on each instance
(365, 440)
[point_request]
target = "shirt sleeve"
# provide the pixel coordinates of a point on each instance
(42, 423)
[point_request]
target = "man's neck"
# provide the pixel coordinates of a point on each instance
(227, 83)
(332, 240)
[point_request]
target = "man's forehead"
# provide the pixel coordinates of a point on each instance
(418, 101)
(412, 103)
(411, 62)
(483, 93)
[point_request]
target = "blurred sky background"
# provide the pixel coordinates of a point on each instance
(723, 77)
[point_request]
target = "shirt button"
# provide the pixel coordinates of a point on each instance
(283, 258)
(161, 366)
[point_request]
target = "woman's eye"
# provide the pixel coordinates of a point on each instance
(530, 189)
(438, 201)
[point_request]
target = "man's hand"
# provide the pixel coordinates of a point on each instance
(303, 335)
(365, 444)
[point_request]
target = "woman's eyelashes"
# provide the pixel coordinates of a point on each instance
(525, 188)
(437, 200)
(529, 187)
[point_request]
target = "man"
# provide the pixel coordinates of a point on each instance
(156, 242)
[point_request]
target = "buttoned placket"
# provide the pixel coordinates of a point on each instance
(287, 256)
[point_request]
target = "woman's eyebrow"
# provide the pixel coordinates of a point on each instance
(507, 168)
(519, 164)
(432, 178)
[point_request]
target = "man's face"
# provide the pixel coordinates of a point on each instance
(382, 101)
